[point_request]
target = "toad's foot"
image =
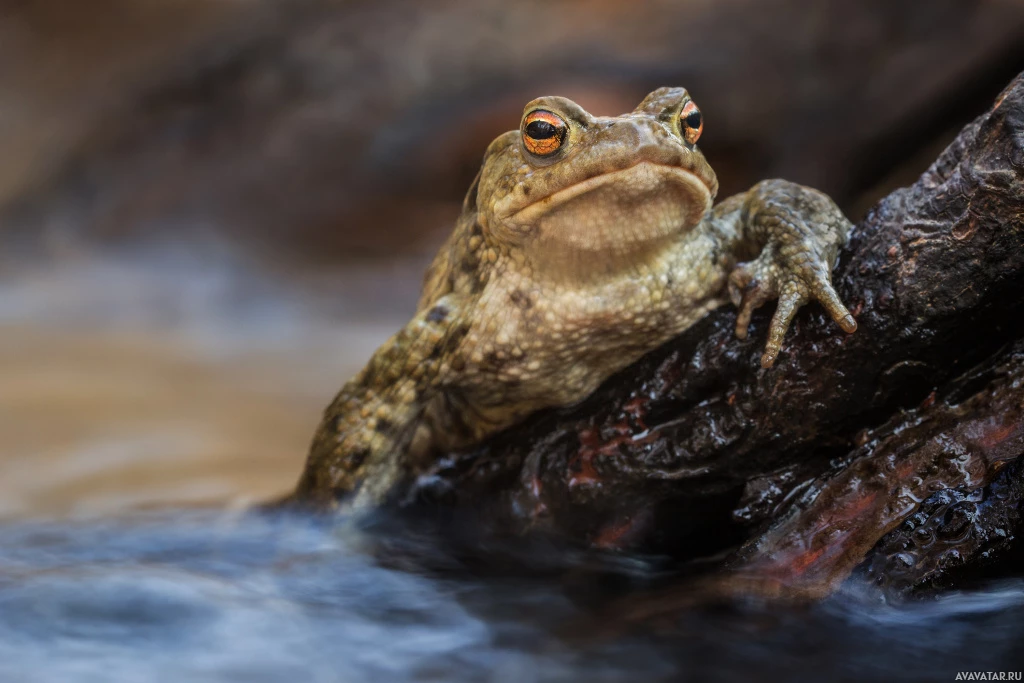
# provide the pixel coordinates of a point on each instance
(803, 231)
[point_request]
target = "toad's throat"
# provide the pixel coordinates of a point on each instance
(619, 211)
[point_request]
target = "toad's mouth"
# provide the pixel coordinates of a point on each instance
(642, 178)
(618, 209)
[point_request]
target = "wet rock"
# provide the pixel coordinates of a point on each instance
(696, 441)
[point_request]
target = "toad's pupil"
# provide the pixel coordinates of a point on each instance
(693, 119)
(541, 130)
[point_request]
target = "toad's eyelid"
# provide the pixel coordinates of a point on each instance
(545, 115)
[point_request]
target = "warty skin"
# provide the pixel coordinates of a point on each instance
(583, 243)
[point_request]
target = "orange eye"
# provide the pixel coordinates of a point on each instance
(691, 123)
(543, 132)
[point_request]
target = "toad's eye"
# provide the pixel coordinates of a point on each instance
(691, 123)
(543, 132)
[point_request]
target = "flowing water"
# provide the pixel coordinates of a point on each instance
(145, 402)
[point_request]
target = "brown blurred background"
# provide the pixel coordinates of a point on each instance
(213, 210)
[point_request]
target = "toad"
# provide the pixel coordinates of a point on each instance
(583, 243)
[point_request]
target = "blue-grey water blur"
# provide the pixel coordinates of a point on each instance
(215, 596)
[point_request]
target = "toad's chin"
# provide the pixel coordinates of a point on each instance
(618, 212)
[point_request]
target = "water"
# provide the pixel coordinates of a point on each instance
(192, 388)
(207, 595)
(168, 377)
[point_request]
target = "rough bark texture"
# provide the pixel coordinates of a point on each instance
(696, 446)
(945, 451)
(956, 536)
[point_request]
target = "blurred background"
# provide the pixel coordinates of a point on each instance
(212, 211)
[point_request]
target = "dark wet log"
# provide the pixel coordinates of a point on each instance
(696, 444)
(955, 537)
(942, 453)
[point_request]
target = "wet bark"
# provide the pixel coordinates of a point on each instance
(925, 463)
(956, 537)
(696, 447)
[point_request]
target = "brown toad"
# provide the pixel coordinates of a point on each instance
(583, 243)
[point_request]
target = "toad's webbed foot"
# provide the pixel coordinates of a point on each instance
(801, 231)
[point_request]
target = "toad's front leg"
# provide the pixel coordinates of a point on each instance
(361, 450)
(799, 232)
